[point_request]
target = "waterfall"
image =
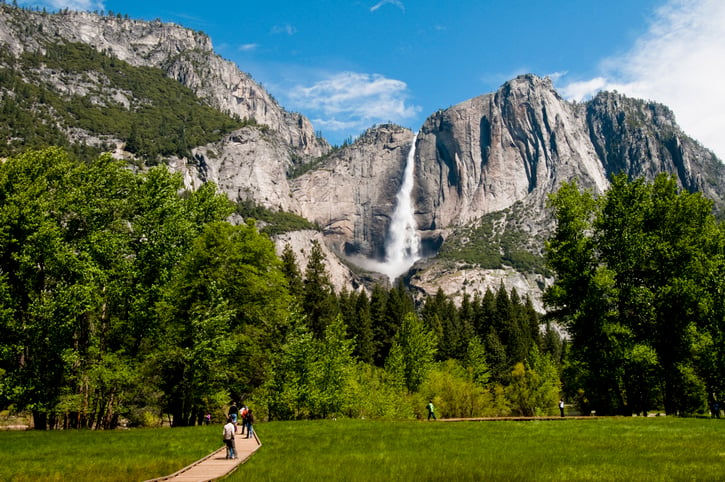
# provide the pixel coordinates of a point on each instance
(402, 246)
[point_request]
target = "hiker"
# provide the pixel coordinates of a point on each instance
(431, 410)
(561, 406)
(233, 414)
(243, 417)
(249, 421)
(228, 437)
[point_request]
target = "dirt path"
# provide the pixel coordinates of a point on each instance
(215, 465)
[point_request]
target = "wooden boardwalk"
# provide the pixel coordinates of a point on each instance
(215, 465)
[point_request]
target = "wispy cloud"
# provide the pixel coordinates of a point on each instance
(53, 5)
(351, 100)
(284, 29)
(396, 3)
(248, 47)
(679, 62)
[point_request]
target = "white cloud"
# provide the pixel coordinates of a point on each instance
(679, 62)
(53, 5)
(349, 100)
(284, 29)
(248, 47)
(583, 89)
(396, 3)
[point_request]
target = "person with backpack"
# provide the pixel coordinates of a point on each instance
(431, 410)
(228, 438)
(233, 414)
(249, 421)
(243, 416)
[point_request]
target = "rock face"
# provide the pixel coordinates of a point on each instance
(642, 139)
(246, 164)
(523, 141)
(184, 54)
(352, 193)
(301, 243)
(519, 144)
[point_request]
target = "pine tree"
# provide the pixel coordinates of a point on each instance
(320, 301)
(295, 284)
(365, 344)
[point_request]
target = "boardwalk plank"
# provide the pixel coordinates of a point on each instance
(215, 465)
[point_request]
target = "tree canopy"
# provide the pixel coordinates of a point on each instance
(639, 289)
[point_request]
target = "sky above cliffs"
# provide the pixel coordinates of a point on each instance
(350, 64)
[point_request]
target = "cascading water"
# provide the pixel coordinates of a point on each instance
(402, 246)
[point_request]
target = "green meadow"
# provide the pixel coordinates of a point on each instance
(102, 455)
(596, 449)
(657, 448)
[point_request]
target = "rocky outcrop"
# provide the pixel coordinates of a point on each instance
(459, 279)
(487, 153)
(184, 54)
(642, 139)
(352, 193)
(248, 164)
(516, 146)
(523, 141)
(301, 243)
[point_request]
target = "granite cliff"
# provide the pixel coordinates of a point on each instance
(491, 162)
(184, 54)
(483, 168)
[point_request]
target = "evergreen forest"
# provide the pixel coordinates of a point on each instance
(126, 299)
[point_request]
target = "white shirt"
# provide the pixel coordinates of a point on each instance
(228, 432)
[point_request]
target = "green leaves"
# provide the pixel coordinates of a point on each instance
(85, 249)
(634, 278)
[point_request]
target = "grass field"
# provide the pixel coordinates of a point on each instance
(116, 455)
(597, 449)
(661, 448)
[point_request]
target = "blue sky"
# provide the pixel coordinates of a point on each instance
(349, 64)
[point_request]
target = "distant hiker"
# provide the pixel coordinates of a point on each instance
(233, 414)
(243, 417)
(249, 421)
(561, 406)
(431, 410)
(228, 437)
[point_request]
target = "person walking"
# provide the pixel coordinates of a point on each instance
(249, 421)
(233, 414)
(561, 406)
(431, 410)
(243, 417)
(228, 437)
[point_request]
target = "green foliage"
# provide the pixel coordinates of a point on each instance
(159, 117)
(319, 301)
(310, 378)
(86, 248)
(638, 289)
(412, 352)
(456, 393)
(534, 389)
(493, 242)
(273, 222)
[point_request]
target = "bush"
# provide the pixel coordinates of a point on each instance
(455, 394)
